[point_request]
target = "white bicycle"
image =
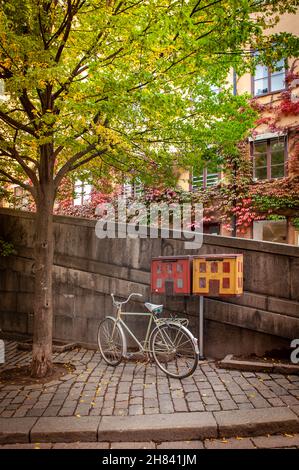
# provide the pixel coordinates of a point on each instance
(169, 343)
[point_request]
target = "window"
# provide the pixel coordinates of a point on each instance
(267, 80)
(132, 189)
(2, 87)
(82, 193)
(205, 180)
(20, 198)
(270, 230)
(269, 158)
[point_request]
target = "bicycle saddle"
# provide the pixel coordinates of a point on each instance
(153, 308)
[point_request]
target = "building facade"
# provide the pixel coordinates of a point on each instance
(272, 145)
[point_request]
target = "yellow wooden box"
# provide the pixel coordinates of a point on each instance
(218, 275)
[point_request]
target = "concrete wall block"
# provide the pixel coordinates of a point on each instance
(8, 301)
(9, 280)
(267, 274)
(60, 275)
(20, 265)
(123, 288)
(131, 253)
(89, 304)
(92, 327)
(64, 302)
(294, 278)
(221, 339)
(24, 302)
(79, 332)
(284, 307)
(63, 327)
(14, 322)
(30, 320)
(149, 248)
(100, 283)
(250, 299)
(26, 283)
(252, 319)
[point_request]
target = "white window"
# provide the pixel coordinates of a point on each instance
(2, 87)
(267, 80)
(206, 179)
(132, 189)
(82, 192)
(20, 198)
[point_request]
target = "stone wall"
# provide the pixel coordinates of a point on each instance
(87, 269)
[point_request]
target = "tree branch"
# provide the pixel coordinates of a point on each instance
(68, 26)
(118, 12)
(13, 180)
(28, 106)
(13, 153)
(196, 10)
(88, 159)
(16, 124)
(66, 167)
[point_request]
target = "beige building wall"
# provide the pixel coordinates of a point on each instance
(288, 23)
(244, 84)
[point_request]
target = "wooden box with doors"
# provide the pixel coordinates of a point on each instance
(218, 275)
(171, 275)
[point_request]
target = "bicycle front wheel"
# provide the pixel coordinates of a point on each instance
(174, 350)
(111, 341)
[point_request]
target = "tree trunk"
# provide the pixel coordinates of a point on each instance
(41, 365)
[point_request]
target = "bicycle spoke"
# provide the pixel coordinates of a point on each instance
(110, 341)
(174, 351)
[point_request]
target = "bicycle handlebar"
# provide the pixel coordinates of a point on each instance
(118, 303)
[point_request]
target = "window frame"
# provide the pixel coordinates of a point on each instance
(269, 81)
(80, 195)
(204, 174)
(269, 157)
(2, 87)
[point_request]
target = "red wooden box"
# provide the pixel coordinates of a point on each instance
(171, 275)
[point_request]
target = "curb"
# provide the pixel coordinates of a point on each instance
(229, 363)
(162, 427)
(144, 428)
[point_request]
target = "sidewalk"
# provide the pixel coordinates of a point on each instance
(137, 401)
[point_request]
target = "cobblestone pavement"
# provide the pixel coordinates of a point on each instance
(132, 388)
(286, 441)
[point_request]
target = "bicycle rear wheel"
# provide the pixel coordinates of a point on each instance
(174, 350)
(111, 341)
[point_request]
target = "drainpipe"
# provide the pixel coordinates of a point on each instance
(234, 217)
(234, 83)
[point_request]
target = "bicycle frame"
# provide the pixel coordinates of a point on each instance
(144, 346)
(152, 319)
